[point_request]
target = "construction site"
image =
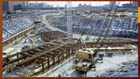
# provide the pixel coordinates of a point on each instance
(78, 39)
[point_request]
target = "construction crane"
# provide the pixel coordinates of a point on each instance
(100, 41)
(85, 58)
(69, 21)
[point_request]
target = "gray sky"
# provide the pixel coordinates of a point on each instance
(75, 3)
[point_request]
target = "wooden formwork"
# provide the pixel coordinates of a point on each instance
(51, 35)
(49, 55)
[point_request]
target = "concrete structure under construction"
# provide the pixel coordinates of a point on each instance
(36, 45)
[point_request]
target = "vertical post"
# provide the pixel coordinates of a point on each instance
(69, 51)
(48, 62)
(17, 55)
(53, 60)
(58, 57)
(42, 65)
(72, 49)
(62, 54)
(66, 52)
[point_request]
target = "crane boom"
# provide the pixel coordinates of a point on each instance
(99, 40)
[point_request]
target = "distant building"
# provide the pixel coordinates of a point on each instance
(113, 5)
(26, 3)
(11, 6)
(5, 7)
(127, 6)
(134, 4)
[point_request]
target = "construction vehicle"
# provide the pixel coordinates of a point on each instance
(37, 21)
(85, 59)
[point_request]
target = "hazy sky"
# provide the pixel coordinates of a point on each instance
(75, 3)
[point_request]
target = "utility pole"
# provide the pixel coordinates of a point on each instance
(69, 21)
